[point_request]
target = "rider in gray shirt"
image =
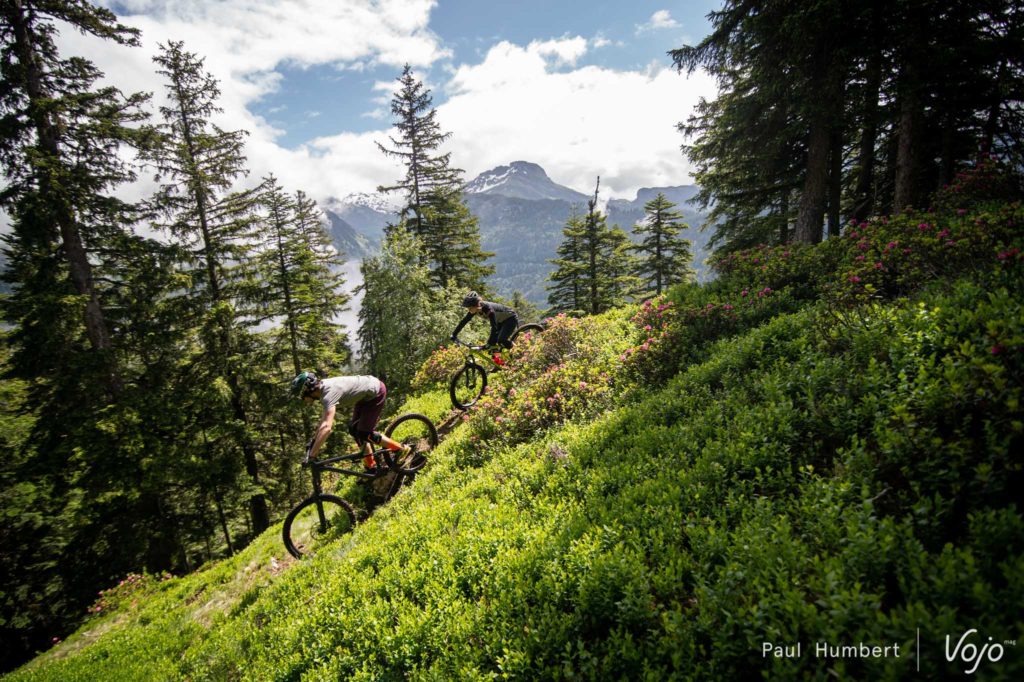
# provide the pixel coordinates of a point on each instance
(365, 395)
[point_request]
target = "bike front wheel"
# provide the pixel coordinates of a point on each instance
(467, 386)
(415, 431)
(317, 520)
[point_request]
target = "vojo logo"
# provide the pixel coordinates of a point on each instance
(970, 654)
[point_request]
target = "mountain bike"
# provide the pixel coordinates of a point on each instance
(322, 517)
(470, 382)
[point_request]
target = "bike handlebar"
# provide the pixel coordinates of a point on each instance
(468, 345)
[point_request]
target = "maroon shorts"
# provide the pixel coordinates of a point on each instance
(366, 413)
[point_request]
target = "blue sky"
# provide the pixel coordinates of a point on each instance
(315, 101)
(582, 88)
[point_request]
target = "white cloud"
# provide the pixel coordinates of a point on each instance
(565, 51)
(659, 20)
(578, 124)
(518, 102)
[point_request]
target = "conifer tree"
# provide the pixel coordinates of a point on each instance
(664, 257)
(298, 281)
(434, 207)
(595, 271)
(59, 148)
(199, 163)
(451, 242)
(87, 326)
(565, 293)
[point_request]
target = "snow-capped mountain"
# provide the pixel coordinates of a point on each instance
(367, 212)
(522, 180)
(521, 213)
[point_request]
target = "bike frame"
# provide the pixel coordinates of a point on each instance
(473, 353)
(321, 465)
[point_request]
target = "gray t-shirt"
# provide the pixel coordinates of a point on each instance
(347, 391)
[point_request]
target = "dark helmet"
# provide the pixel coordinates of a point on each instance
(472, 299)
(304, 383)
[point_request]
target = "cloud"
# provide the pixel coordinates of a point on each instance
(577, 124)
(565, 51)
(531, 102)
(661, 19)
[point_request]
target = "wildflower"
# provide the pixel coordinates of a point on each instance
(854, 278)
(743, 293)
(942, 233)
(923, 226)
(878, 265)
(961, 211)
(785, 254)
(996, 350)
(891, 245)
(647, 327)
(727, 307)
(860, 257)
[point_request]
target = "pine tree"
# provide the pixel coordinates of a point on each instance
(664, 257)
(451, 242)
(435, 210)
(60, 153)
(298, 282)
(199, 163)
(565, 294)
(595, 271)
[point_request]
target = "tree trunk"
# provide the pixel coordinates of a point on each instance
(910, 108)
(79, 268)
(812, 198)
(865, 193)
(835, 180)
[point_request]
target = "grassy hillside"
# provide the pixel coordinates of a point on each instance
(824, 445)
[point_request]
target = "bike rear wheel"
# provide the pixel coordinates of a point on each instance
(317, 520)
(467, 386)
(419, 434)
(532, 328)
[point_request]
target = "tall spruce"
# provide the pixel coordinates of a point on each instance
(87, 332)
(435, 210)
(565, 293)
(664, 258)
(298, 282)
(595, 270)
(60, 145)
(199, 163)
(878, 105)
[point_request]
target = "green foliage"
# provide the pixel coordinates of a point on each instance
(435, 210)
(664, 258)
(784, 488)
(403, 315)
(568, 372)
(595, 269)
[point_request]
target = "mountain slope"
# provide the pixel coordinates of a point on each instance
(521, 214)
(522, 180)
(658, 491)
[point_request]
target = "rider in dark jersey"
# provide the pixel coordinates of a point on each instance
(503, 319)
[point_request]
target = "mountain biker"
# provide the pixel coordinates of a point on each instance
(366, 396)
(503, 319)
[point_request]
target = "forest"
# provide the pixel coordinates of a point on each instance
(822, 442)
